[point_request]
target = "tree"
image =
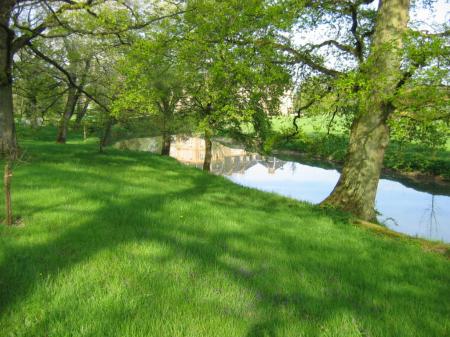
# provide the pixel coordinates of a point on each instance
(369, 136)
(23, 21)
(153, 85)
(29, 21)
(230, 82)
(8, 46)
(361, 57)
(38, 90)
(78, 68)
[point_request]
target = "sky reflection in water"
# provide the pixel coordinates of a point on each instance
(402, 209)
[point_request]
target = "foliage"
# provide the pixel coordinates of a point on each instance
(333, 80)
(153, 85)
(230, 81)
(39, 92)
(423, 114)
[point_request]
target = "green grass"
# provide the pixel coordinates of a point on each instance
(314, 142)
(133, 244)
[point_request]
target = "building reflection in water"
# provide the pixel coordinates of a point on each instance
(225, 160)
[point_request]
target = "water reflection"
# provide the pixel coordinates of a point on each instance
(225, 160)
(401, 208)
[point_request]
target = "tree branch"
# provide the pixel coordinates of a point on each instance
(306, 58)
(343, 47)
(23, 40)
(359, 43)
(67, 74)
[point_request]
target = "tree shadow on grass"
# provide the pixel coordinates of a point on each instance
(328, 275)
(103, 229)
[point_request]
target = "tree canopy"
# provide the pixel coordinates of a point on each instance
(221, 68)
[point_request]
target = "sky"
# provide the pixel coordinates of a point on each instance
(423, 19)
(428, 19)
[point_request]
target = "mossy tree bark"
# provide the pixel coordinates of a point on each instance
(356, 189)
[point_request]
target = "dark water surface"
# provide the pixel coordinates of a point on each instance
(403, 209)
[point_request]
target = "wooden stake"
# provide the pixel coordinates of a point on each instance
(7, 185)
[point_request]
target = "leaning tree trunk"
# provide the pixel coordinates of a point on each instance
(81, 113)
(356, 189)
(106, 136)
(208, 152)
(167, 138)
(72, 98)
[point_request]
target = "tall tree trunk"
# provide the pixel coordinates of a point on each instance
(167, 138)
(81, 113)
(106, 134)
(166, 109)
(357, 186)
(72, 98)
(8, 141)
(84, 132)
(8, 145)
(208, 152)
(8, 131)
(32, 112)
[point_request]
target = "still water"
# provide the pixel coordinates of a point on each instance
(403, 209)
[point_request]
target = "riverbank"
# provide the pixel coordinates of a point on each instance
(133, 244)
(414, 179)
(413, 161)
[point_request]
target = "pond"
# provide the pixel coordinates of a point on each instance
(401, 208)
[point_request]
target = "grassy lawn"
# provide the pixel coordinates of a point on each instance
(133, 244)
